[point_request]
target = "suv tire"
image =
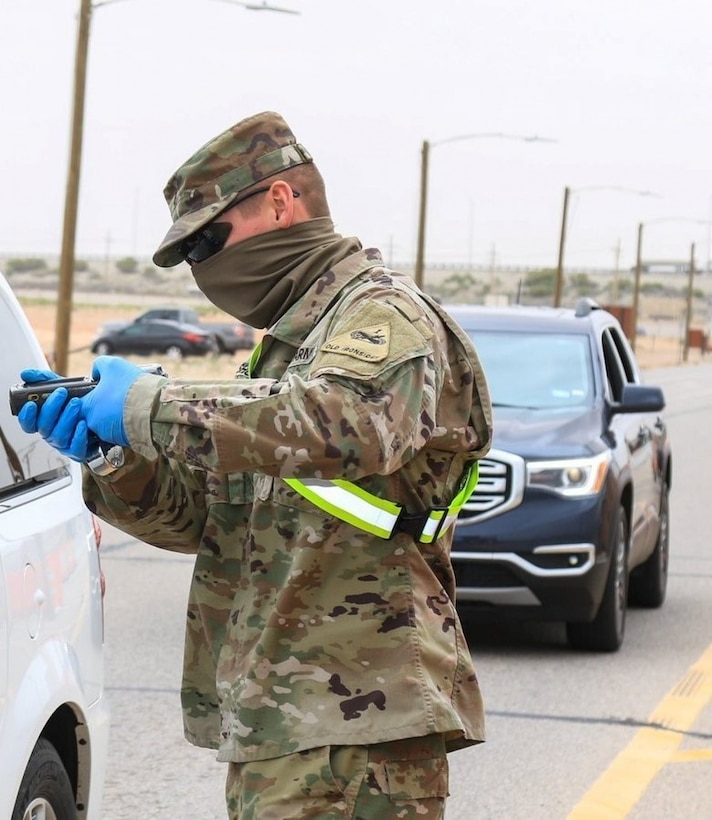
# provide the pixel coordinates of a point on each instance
(45, 790)
(605, 632)
(648, 582)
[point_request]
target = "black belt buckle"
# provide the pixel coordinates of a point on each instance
(414, 523)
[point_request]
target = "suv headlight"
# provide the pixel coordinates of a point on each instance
(570, 477)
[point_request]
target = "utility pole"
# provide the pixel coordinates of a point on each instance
(559, 285)
(419, 273)
(66, 259)
(688, 306)
(636, 285)
(493, 276)
(107, 256)
(616, 274)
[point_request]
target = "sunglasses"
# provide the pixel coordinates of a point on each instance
(212, 238)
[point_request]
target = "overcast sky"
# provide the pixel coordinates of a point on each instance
(623, 86)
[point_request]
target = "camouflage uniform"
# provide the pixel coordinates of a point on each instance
(303, 631)
(304, 617)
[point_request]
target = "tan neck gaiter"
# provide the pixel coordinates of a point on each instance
(257, 280)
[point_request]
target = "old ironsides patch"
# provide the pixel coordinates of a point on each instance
(369, 344)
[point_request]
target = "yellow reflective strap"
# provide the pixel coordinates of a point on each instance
(350, 503)
(381, 503)
(430, 530)
(468, 487)
(252, 361)
(431, 526)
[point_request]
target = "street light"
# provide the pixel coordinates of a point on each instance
(71, 201)
(425, 156)
(639, 270)
(263, 6)
(559, 286)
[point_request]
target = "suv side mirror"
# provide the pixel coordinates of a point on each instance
(639, 398)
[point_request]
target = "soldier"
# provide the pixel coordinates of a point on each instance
(324, 658)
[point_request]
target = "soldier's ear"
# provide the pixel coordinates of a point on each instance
(282, 203)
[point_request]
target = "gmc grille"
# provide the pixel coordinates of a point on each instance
(500, 487)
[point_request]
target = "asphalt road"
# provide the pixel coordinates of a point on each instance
(559, 722)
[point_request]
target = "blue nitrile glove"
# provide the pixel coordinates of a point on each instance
(29, 412)
(58, 421)
(33, 374)
(103, 407)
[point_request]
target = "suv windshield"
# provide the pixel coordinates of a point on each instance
(537, 370)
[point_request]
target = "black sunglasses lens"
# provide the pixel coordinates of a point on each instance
(208, 242)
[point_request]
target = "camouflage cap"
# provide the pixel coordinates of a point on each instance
(252, 150)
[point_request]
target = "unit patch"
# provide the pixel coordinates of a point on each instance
(369, 344)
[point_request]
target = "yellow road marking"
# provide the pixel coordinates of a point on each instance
(624, 782)
(692, 756)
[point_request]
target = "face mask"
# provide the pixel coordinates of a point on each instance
(256, 280)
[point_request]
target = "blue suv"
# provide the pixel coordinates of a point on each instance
(570, 519)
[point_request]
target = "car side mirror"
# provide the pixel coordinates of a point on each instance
(640, 398)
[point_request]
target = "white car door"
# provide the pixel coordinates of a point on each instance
(51, 612)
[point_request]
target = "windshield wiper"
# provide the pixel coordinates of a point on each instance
(517, 406)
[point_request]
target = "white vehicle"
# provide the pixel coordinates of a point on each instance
(54, 721)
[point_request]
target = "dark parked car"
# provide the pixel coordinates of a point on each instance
(172, 339)
(229, 336)
(569, 521)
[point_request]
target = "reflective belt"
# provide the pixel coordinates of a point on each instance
(365, 511)
(354, 505)
(254, 358)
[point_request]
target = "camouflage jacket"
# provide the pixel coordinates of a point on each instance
(303, 630)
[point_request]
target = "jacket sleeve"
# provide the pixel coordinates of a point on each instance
(329, 426)
(159, 502)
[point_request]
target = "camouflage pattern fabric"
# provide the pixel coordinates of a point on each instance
(297, 621)
(206, 184)
(405, 779)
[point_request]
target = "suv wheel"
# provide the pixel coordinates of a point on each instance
(45, 792)
(605, 632)
(648, 582)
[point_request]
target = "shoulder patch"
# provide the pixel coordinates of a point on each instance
(369, 344)
(368, 338)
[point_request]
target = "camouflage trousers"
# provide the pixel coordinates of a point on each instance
(403, 780)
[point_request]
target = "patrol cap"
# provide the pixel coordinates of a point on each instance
(206, 184)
